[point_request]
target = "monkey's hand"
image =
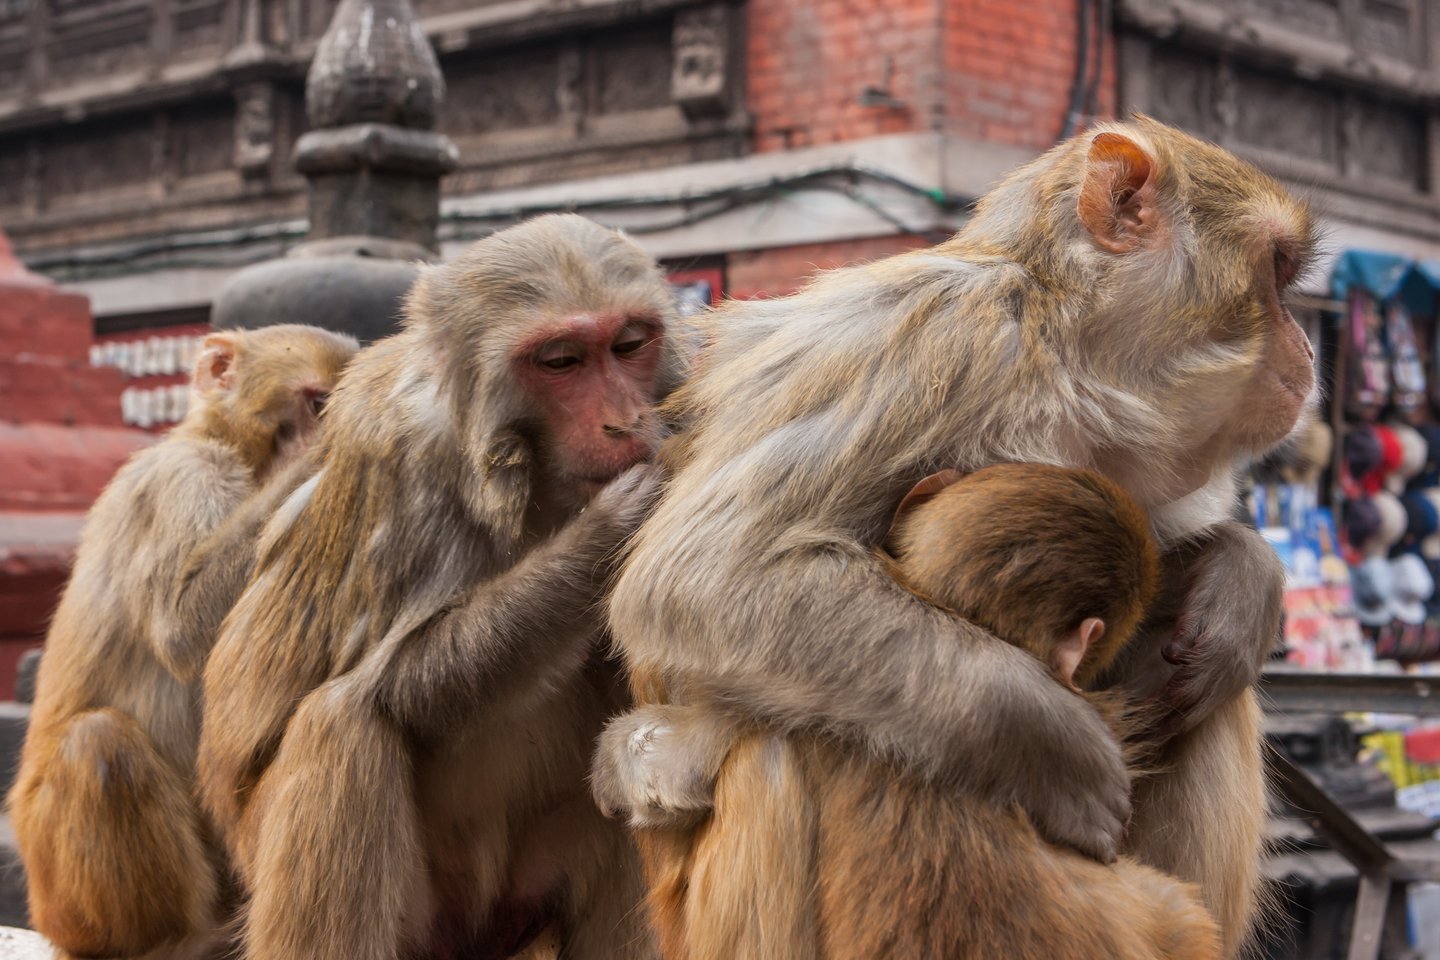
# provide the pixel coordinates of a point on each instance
(1229, 623)
(656, 765)
(531, 624)
(617, 511)
(1077, 796)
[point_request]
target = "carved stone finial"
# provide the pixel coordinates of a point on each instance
(374, 65)
(374, 165)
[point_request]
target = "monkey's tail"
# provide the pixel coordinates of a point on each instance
(336, 870)
(111, 839)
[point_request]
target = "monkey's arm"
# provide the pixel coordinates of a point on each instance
(1229, 621)
(215, 573)
(818, 634)
(514, 629)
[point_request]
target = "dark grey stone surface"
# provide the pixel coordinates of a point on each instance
(351, 294)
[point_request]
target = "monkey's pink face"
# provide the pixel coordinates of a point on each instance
(592, 378)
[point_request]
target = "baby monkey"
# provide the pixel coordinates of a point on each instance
(1057, 561)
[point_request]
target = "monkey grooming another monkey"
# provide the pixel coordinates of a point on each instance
(402, 704)
(116, 852)
(1117, 305)
(1057, 561)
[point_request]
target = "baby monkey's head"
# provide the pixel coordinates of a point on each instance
(1056, 560)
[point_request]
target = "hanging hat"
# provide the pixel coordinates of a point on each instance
(1391, 454)
(1413, 450)
(1432, 606)
(1308, 453)
(1423, 519)
(1412, 585)
(1430, 473)
(1393, 522)
(1372, 586)
(1362, 522)
(1362, 450)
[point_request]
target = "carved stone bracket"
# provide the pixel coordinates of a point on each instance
(702, 78)
(254, 128)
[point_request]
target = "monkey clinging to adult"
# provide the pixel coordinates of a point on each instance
(1117, 305)
(1057, 561)
(118, 860)
(401, 706)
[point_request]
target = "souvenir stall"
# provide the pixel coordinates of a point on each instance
(1352, 504)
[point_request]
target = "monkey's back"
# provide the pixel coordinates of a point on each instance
(105, 644)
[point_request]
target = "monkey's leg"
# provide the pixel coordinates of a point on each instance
(752, 882)
(111, 840)
(1203, 818)
(330, 840)
(665, 860)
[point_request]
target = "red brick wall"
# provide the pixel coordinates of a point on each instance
(809, 60)
(993, 70)
(1009, 68)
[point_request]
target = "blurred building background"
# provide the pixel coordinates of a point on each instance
(146, 147)
(146, 150)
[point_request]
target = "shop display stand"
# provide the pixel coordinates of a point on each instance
(1379, 866)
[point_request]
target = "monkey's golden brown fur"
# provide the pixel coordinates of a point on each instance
(118, 857)
(1029, 551)
(1114, 305)
(401, 706)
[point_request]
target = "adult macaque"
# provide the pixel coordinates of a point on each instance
(1057, 561)
(118, 858)
(1117, 305)
(402, 704)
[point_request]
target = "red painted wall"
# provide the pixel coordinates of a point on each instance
(61, 439)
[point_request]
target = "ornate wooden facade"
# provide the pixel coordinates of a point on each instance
(1339, 97)
(130, 119)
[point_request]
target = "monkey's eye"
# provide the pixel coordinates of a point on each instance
(316, 402)
(1283, 270)
(631, 338)
(560, 355)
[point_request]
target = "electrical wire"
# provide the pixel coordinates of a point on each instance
(1074, 113)
(1103, 18)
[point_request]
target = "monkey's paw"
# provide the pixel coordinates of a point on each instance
(1081, 800)
(652, 769)
(624, 503)
(1230, 622)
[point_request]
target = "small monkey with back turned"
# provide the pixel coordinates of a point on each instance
(1057, 561)
(118, 859)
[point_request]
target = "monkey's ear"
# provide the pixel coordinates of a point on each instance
(500, 498)
(926, 489)
(1071, 648)
(215, 367)
(921, 492)
(1117, 196)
